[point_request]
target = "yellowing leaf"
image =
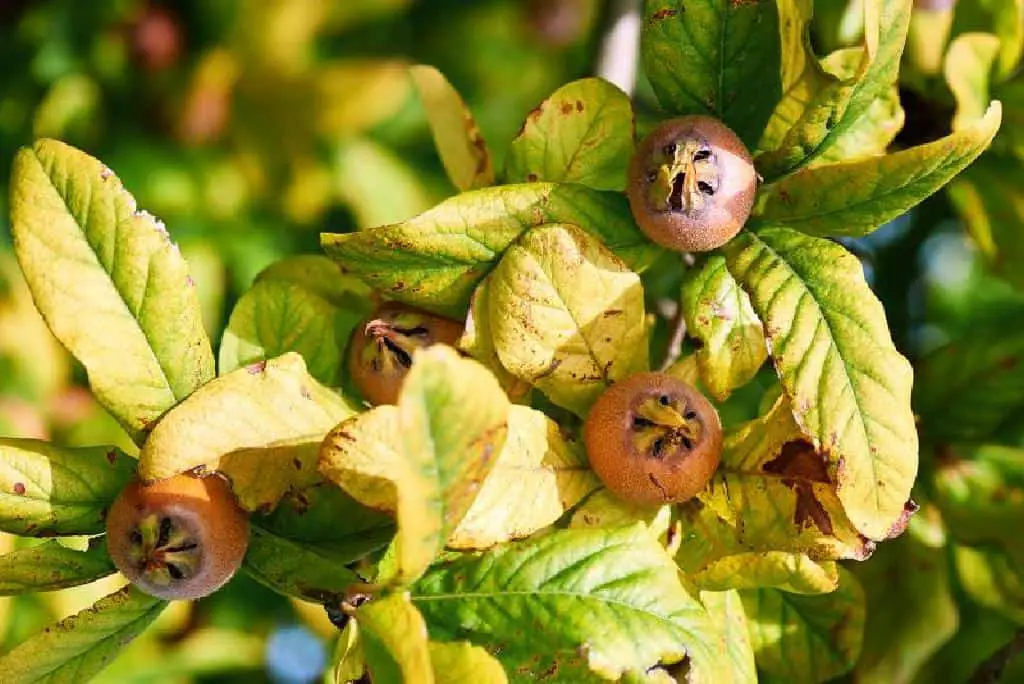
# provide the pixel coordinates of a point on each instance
(363, 456)
(582, 133)
(968, 70)
(736, 664)
(793, 572)
(453, 423)
(461, 661)
(478, 341)
(849, 386)
(719, 314)
(456, 135)
(110, 283)
(394, 641)
(261, 425)
(537, 477)
(604, 509)
(567, 315)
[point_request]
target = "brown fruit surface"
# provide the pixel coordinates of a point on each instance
(380, 352)
(691, 184)
(178, 538)
(653, 439)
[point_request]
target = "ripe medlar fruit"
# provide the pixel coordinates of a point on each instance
(380, 351)
(653, 439)
(691, 184)
(182, 537)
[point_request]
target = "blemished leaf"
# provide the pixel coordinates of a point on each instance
(394, 640)
(363, 455)
(714, 57)
(582, 133)
(609, 596)
(478, 341)
(47, 490)
(910, 609)
(456, 135)
(850, 388)
(993, 578)
(453, 420)
(603, 509)
(965, 389)
(567, 315)
(437, 259)
(51, 565)
(279, 315)
(968, 69)
(873, 132)
(796, 573)
(771, 493)
(80, 646)
(726, 611)
(376, 184)
(110, 283)
(458, 662)
(718, 314)
(832, 110)
(992, 206)
(875, 190)
(800, 638)
(538, 476)
(301, 570)
(261, 425)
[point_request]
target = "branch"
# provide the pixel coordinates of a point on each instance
(620, 49)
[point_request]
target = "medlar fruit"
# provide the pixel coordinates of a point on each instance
(182, 537)
(653, 439)
(691, 184)
(381, 349)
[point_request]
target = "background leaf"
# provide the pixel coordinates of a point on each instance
(261, 425)
(613, 592)
(582, 133)
(101, 270)
(47, 490)
(83, 644)
(567, 315)
(849, 386)
(51, 565)
(968, 67)
(714, 57)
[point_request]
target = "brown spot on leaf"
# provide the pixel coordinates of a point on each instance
(19, 488)
(566, 108)
(297, 463)
(663, 14)
(809, 509)
(900, 526)
(256, 368)
(531, 177)
(579, 105)
(112, 456)
(304, 391)
(798, 460)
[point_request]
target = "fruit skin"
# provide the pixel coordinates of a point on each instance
(692, 184)
(381, 348)
(622, 454)
(203, 512)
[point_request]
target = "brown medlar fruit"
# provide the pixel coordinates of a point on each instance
(381, 349)
(653, 439)
(182, 537)
(691, 184)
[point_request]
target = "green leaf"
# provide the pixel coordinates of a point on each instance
(835, 106)
(609, 595)
(284, 314)
(980, 493)
(992, 577)
(80, 646)
(453, 421)
(111, 285)
(47, 490)
(301, 570)
(437, 259)
(969, 63)
(796, 573)
(376, 185)
(726, 612)
(582, 133)
(850, 388)
(456, 135)
(718, 314)
(394, 639)
(538, 476)
(874, 190)
(806, 638)
(455, 663)
(51, 565)
(910, 609)
(567, 315)
(992, 205)
(714, 57)
(261, 425)
(771, 493)
(981, 632)
(965, 389)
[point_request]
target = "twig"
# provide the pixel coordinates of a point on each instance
(991, 669)
(620, 49)
(675, 343)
